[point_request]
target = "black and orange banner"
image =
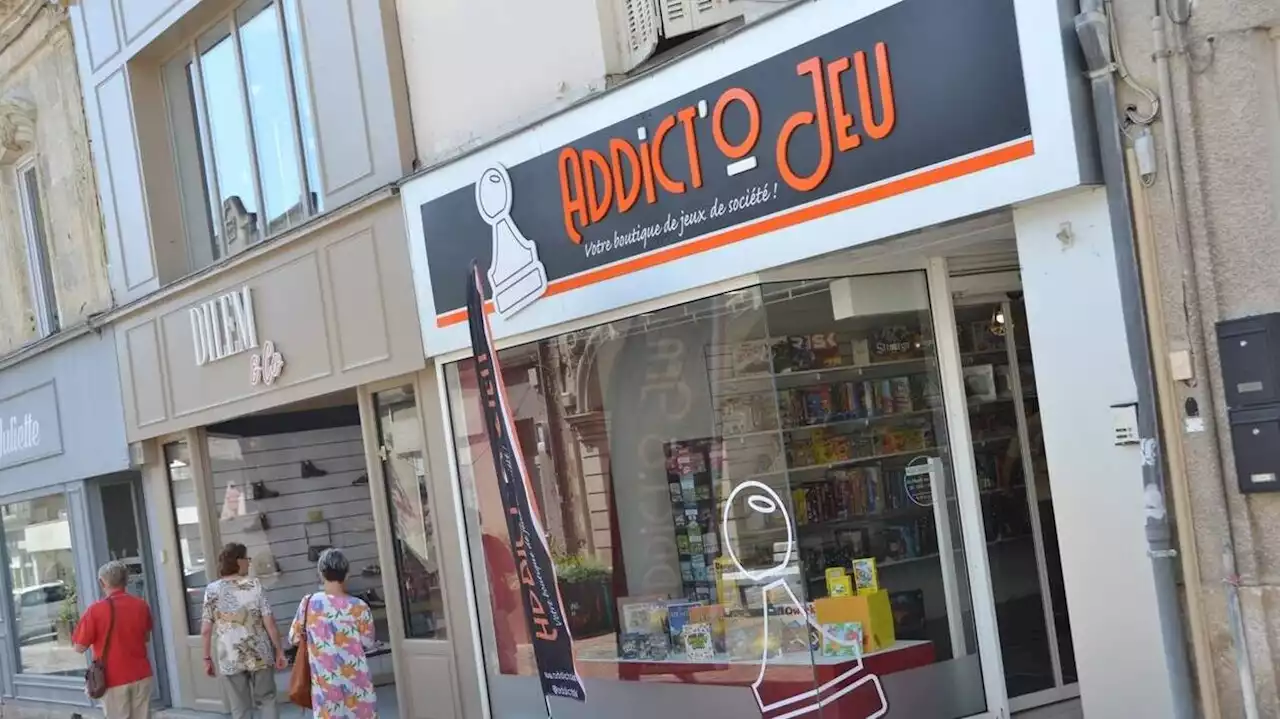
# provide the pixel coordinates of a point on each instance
(913, 95)
(539, 591)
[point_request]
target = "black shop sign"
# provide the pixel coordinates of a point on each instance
(921, 85)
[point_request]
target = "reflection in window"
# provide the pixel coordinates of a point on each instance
(267, 74)
(733, 489)
(186, 515)
(404, 465)
(257, 161)
(45, 605)
(230, 142)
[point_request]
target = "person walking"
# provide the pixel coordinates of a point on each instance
(117, 628)
(238, 618)
(338, 630)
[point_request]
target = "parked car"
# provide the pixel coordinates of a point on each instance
(38, 609)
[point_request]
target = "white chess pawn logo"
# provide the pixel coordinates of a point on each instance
(516, 275)
(776, 592)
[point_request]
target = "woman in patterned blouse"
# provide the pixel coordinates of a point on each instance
(238, 617)
(339, 630)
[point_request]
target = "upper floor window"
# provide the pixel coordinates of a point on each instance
(244, 134)
(44, 302)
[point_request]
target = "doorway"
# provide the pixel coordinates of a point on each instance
(120, 534)
(1017, 499)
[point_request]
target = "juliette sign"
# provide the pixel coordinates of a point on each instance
(29, 426)
(915, 94)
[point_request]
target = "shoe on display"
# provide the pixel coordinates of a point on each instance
(310, 470)
(261, 492)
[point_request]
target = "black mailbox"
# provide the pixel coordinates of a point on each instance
(1250, 352)
(1255, 434)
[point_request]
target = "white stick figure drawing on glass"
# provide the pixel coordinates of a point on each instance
(777, 593)
(516, 276)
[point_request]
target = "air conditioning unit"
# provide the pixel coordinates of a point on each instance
(631, 28)
(681, 17)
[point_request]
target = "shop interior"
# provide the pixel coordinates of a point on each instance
(823, 399)
(294, 482)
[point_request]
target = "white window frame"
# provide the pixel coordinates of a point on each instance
(35, 230)
(191, 138)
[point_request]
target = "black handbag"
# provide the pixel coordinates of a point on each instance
(95, 677)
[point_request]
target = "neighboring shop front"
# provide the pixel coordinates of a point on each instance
(64, 468)
(820, 321)
(247, 390)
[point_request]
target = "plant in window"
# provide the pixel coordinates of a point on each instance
(68, 615)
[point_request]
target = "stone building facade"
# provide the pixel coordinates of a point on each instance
(42, 121)
(1215, 255)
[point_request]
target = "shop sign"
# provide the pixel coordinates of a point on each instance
(225, 327)
(916, 94)
(29, 426)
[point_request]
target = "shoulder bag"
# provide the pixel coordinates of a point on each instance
(95, 677)
(300, 678)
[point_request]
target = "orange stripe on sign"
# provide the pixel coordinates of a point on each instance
(857, 198)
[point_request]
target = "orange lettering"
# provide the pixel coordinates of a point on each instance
(845, 139)
(597, 203)
(646, 174)
(627, 196)
(813, 68)
(545, 630)
(659, 136)
(571, 199)
(691, 139)
(888, 114)
(731, 151)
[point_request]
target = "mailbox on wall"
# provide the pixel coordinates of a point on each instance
(1249, 349)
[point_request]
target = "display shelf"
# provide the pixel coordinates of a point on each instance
(771, 376)
(888, 563)
(857, 421)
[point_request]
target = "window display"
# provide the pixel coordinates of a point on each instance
(289, 486)
(405, 468)
(186, 516)
(42, 572)
(748, 491)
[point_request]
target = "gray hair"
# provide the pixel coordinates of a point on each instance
(114, 574)
(333, 565)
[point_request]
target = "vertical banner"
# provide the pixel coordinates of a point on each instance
(543, 607)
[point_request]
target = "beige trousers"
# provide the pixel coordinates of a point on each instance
(130, 701)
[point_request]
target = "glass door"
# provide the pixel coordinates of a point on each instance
(121, 536)
(1017, 499)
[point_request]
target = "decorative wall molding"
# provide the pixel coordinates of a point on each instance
(17, 127)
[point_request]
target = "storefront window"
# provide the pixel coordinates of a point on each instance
(186, 515)
(42, 572)
(289, 486)
(405, 469)
(749, 505)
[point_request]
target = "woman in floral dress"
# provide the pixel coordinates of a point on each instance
(339, 631)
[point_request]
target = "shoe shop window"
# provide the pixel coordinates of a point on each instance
(288, 486)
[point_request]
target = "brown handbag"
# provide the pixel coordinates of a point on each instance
(95, 677)
(300, 677)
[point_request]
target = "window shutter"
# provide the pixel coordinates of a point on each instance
(630, 29)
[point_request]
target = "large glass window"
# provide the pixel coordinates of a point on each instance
(42, 573)
(750, 507)
(186, 515)
(289, 486)
(404, 465)
(244, 134)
